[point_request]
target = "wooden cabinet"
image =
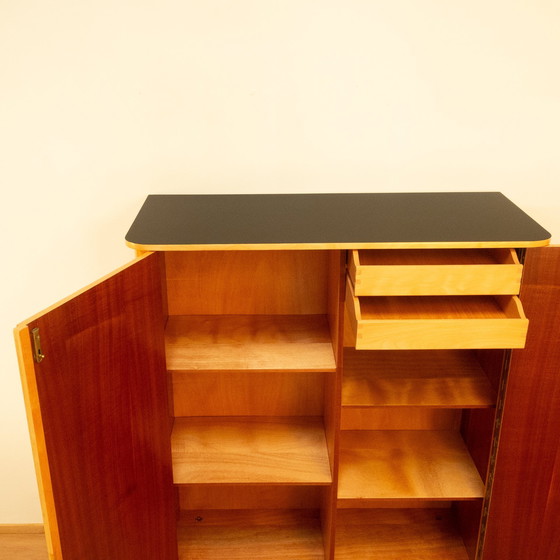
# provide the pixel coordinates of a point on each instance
(283, 376)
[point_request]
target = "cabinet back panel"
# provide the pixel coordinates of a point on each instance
(390, 534)
(399, 418)
(242, 496)
(247, 282)
(234, 393)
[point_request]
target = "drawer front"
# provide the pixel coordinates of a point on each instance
(403, 272)
(412, 323)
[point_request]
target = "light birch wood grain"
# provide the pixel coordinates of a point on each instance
(406, 464)
(435, 272)
(258, 534)
(435, 378)
(249, 342)
(386, 534)
(250, 450)
(435, 322)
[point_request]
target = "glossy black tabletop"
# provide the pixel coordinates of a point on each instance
(337, 220)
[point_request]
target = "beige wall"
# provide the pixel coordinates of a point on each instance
(104, 102)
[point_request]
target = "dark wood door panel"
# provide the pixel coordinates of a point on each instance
(101, 389)
(524, 518)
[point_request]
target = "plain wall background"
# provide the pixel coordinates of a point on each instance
(105, 102)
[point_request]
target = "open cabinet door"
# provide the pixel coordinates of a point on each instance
(99, 421)
(524, 515)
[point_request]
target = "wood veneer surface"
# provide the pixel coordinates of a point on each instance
(389, 464)
(246, 282)
(243, 535)
(432, 272)
(433, 257)
(249, 342)
(430, 307)
(248, 393)
(399, 534)
(435, 322)
(525, 506)
(438, 378)
(102, 392)
(249, 497)
(250, 450)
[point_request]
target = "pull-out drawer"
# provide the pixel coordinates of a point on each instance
(434, 322)
(406, 272)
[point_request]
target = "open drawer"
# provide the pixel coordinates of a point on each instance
(405, 272)
(434, 322)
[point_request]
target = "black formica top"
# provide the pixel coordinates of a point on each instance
(337, 220)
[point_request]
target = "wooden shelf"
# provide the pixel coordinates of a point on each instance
(250, 450)
(405, 464)
(434, 378)
(254, 534)
(398, 534)
(249, 342)
(425, 272)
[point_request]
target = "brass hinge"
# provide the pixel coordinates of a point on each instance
(37, 352)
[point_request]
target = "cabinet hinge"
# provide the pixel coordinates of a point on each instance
(37, 351)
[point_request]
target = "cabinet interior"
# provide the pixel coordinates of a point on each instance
(289, 442)
(251, 349)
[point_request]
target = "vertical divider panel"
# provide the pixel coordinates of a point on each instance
(170, 408)
(333, 390)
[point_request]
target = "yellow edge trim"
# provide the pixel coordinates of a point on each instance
(310, 246)
(37, 436)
